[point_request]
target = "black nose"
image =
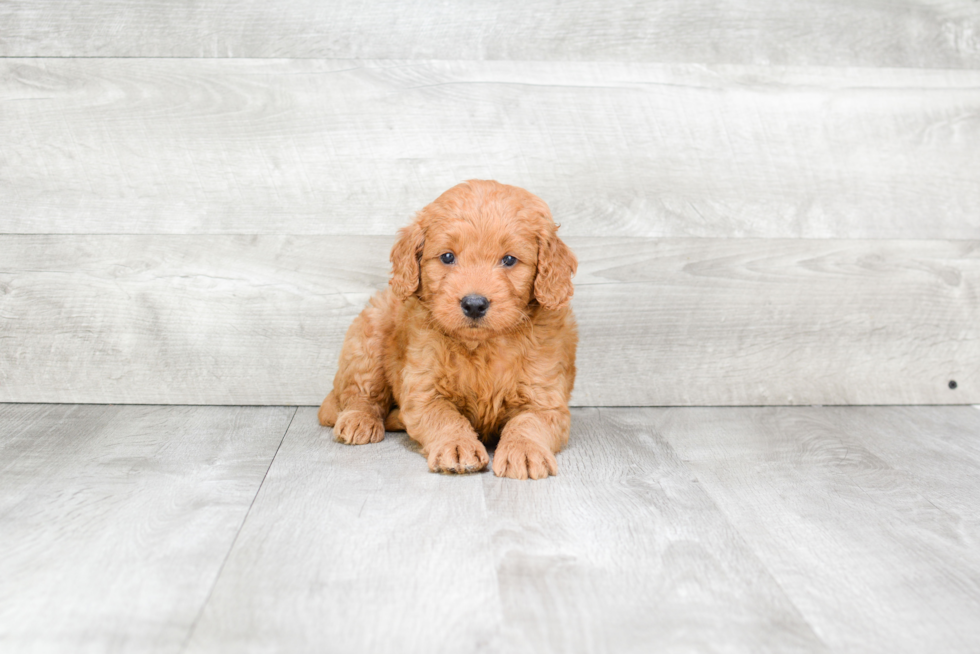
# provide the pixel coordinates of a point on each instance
(474, 306)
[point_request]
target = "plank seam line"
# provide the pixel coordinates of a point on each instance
(590, 237)
(295, 58)
(733, 524)
(231, 547)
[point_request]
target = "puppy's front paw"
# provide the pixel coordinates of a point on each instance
(458, 455)
(358, 428)
(520, 458)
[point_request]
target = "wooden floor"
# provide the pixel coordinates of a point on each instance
(247, 529)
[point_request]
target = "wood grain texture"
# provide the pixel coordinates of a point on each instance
(362, 549)
(744, 322)
(879, 554)
(617, 149)
(927, 33)
(260, 320)
(803, 529)
(116, 520)
(624, 552)
(936, 451)
(355, 549)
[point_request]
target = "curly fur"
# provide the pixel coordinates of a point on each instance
(413, 360)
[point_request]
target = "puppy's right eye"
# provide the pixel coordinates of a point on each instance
(448, 258)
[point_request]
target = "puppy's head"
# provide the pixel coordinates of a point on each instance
(480, 257)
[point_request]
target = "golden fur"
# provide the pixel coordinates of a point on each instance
(413, 360)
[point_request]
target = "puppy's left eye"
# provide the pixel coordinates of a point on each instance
(509, 261)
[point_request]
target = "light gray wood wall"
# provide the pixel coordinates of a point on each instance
(616, 149)
(899, 33)
(260, 319)
(773, 204)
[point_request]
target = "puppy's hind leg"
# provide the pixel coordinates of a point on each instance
(394, 421)
(361, 397)
(328, 411)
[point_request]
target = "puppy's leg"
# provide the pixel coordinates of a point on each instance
(448, 440)
(361, 397)
(529, 442)
(394, 421)
(328, 411)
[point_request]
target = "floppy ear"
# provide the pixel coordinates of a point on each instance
(556, 265)
(405, 256)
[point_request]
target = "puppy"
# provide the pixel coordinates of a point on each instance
(473, 341)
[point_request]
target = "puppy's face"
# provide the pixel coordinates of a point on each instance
(477, 273)
(479, 256)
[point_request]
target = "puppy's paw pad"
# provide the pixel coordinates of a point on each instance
(358, 428)
(523, 459)
(458, 456)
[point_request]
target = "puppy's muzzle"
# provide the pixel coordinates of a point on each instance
(474, 306)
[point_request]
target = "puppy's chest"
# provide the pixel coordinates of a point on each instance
(486, 388)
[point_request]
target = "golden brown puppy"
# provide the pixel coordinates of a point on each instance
(472, 341)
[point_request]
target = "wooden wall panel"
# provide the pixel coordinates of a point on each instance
(260, 319)
(356, 147)
(911, 33)
(733, 322)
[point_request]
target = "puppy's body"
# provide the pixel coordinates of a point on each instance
(473, 340)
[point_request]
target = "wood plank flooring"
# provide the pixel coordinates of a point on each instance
(260, 319)
(206, 529)
(115, 521)
(383, 556)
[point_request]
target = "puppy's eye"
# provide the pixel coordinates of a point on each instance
(509, 261)
(448, 258)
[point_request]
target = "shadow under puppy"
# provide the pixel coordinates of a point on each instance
(472, 342)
